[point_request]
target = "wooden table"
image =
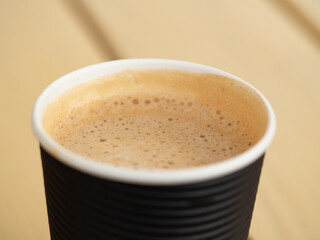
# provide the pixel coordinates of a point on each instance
(274, 45)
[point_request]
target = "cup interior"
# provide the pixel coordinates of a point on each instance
(142, 176)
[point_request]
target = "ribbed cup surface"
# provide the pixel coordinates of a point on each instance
(81, 206)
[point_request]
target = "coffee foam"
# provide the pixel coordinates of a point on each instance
(157, 119)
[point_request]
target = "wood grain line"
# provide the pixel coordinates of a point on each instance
(300, 19)
(87, 22)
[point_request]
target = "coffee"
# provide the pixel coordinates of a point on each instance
(161, 119)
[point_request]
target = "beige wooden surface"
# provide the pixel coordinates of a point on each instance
(256, 40)
(309, 10)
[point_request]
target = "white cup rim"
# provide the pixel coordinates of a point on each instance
(142, 176)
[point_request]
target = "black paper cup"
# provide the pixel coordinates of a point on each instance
(94, 200)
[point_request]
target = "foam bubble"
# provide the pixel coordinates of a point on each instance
(135, 101)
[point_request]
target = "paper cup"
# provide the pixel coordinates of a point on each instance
(93, 200)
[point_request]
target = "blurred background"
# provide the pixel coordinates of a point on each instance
(272, 44)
